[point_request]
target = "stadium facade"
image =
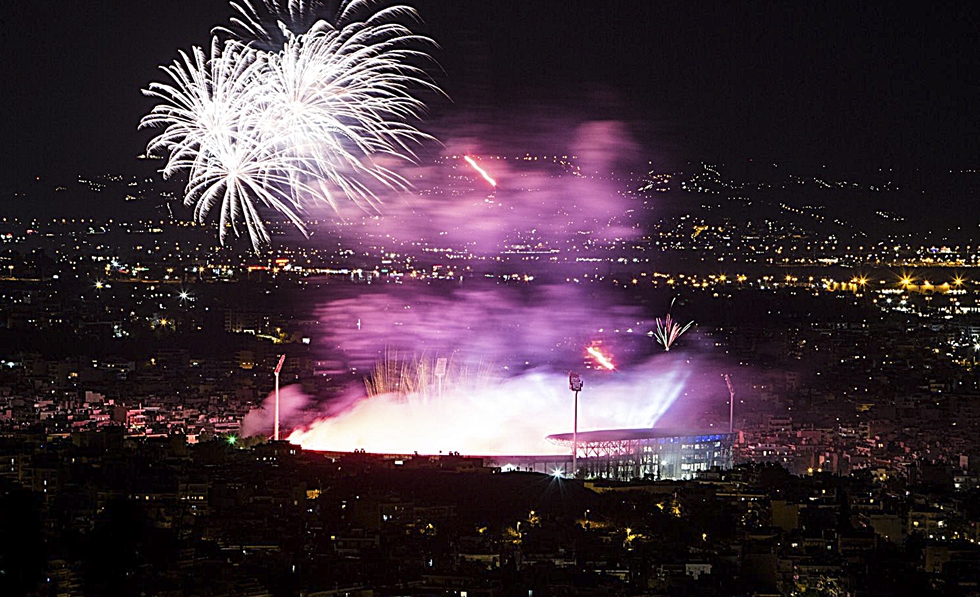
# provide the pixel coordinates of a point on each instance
(628, 454)
(625, 454)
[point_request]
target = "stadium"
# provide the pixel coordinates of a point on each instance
(625, 454)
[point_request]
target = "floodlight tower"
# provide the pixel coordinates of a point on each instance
(441, 371)
(575, 384)
(275, 429)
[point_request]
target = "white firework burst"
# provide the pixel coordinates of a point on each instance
(263, 23)
(280, 129)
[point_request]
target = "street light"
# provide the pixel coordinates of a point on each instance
(731, 404)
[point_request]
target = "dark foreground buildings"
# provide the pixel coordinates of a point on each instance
(101, 514)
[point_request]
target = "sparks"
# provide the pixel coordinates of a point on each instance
(297, 123)
(482, 172)
(505, 415)
(600, 358)
(668, 331)
(421, 376)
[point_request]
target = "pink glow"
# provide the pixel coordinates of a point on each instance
(511, 417)
(600, 358)
(482, 172)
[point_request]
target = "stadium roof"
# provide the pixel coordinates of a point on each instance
(613, 435)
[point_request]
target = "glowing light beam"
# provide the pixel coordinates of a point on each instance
(482, 172)
(600, 358)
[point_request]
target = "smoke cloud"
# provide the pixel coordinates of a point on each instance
(261, 420)
(552, 197)
(515, 327)
(511, 417)
(525, 338)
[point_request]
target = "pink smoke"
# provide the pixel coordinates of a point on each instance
(259, 420)
(511, 417)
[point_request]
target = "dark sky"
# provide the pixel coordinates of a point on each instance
(868, 83)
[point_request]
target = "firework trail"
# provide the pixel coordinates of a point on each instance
(482, 172)
(281, 120)
(600, 358)
(667, 331)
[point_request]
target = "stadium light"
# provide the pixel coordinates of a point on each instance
(575, 384)
(275, 429)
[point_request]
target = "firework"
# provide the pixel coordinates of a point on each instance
(510, 415)
(668, 331)
(264, 23)
(482, 172)
(418, 378)
(600, 358)
(282, 121)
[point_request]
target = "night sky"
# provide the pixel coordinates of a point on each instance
(865, 84)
